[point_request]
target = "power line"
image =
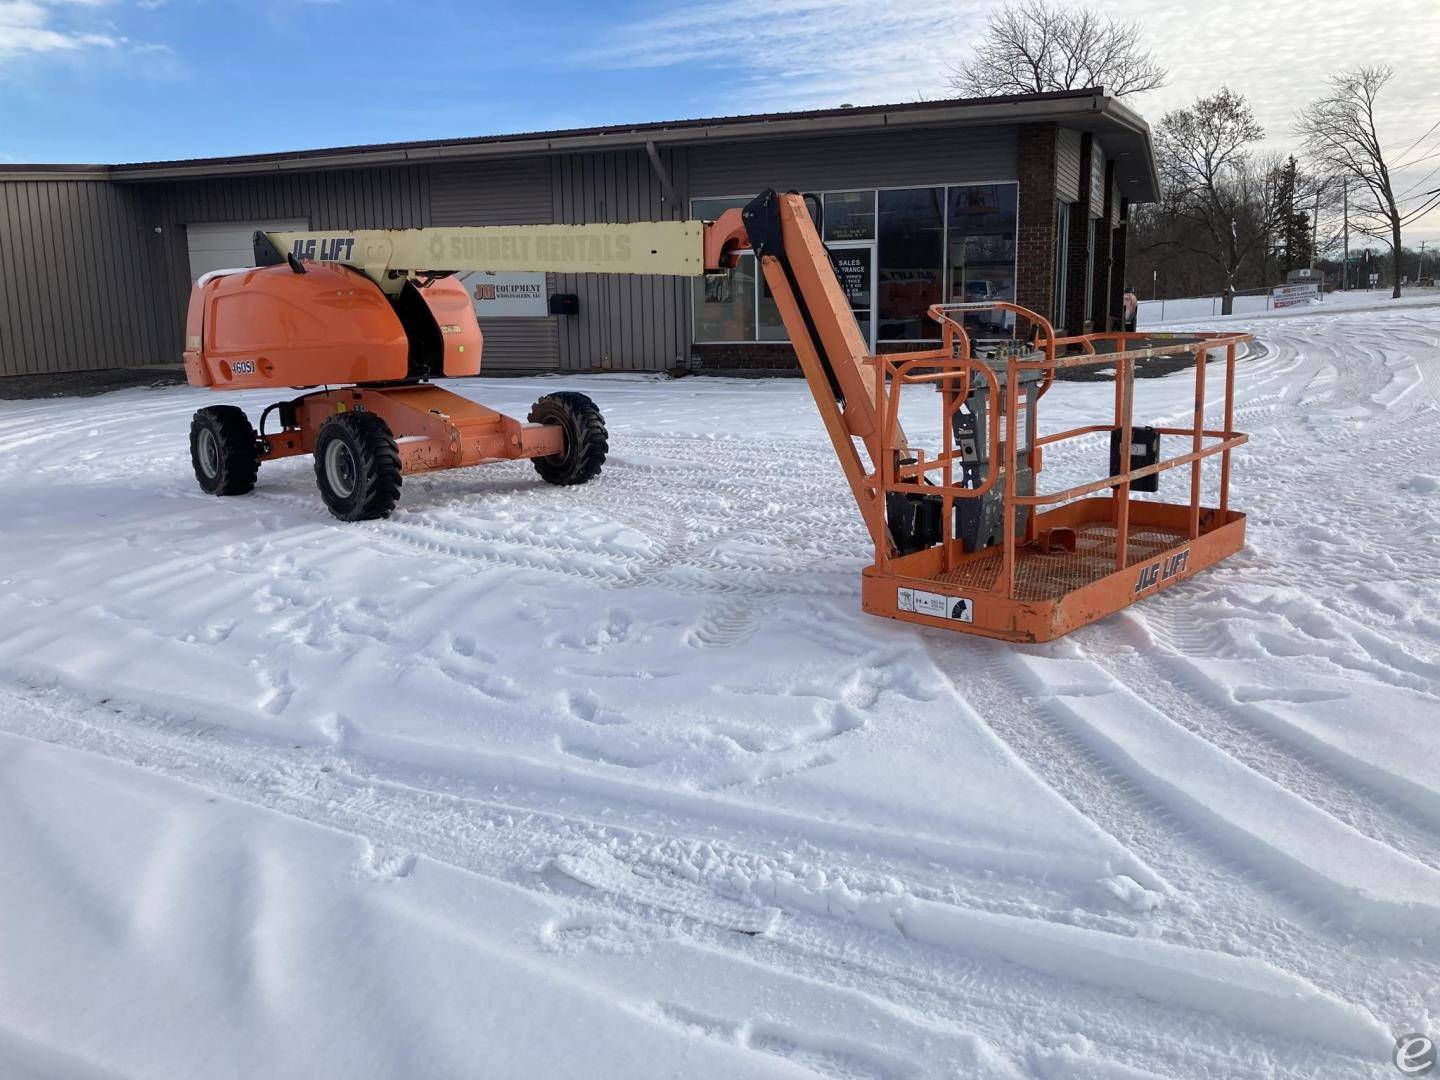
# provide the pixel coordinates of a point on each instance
(1421, 181)
(1416, 161)
(1416, 214)
(1422, 138)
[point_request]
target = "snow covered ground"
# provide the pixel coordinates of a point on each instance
(618, 781)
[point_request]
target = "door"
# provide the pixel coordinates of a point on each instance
(855, 267)
(223, 245)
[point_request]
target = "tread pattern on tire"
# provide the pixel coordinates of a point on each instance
(586, 440)
(377, 466)
(236, 441)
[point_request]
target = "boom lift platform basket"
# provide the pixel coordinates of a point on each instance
(1004, 558)
(964, 539)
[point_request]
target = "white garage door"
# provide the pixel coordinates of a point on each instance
(219, 247)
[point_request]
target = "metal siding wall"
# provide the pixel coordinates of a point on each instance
(626, 322)
(1067, 165)
(78, 265)
(513, 192)
(869, 159)
(123, 301)
(1097, 180)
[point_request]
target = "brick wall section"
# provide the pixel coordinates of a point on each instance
(1079, 253)
(1035, 232)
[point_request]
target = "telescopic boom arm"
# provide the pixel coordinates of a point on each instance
(390, 256)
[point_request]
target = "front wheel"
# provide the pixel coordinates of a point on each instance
(224, 450)
(586, 440)
(357, 466)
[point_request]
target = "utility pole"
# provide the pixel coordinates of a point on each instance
(1155, 284)
(1420, 269)
(1345, 272)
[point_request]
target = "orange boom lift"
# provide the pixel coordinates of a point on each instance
(964, 538)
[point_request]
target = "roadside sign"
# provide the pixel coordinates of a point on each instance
(1283, 296)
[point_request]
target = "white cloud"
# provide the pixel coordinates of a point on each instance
(801, 53)
(787, 54)
(31, 27)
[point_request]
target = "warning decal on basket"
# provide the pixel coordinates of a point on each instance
(937, 605)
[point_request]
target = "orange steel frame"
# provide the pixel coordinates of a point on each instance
(434, 428)
(1084, 552)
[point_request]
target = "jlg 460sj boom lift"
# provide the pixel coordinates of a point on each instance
(964, 537)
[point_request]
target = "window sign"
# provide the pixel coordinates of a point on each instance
(850, 215)
(506, 294)
(852, 267)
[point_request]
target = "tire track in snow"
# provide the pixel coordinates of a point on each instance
(1176, 691)
(1221, 901)
(925, 975)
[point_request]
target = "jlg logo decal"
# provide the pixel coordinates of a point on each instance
(325, 248)
(1167, 568)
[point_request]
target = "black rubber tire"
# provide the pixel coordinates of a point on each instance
(357, 466)
(224, 450)
(586, 440)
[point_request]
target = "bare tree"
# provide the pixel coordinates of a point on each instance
(1339, 136)
(1219, 197)
(1033, 47)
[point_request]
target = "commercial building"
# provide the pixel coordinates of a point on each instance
(1020, 197)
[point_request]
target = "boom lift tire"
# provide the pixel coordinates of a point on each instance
(357, 466)
(224, 450)
(586, 440)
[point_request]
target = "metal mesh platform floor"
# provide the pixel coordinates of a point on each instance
(1039, 576)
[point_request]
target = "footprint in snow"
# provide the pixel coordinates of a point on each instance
(386, 864)
(584, 705)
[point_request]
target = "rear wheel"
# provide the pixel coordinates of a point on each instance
(586, 440)
(224, 450)
(357, 466)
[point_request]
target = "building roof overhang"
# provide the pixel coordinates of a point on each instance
(1124, 135)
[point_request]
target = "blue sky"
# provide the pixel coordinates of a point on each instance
(128, 80)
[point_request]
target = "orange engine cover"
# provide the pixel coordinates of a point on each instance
(273, 327)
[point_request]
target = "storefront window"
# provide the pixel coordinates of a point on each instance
(725, 304)
(926, 245)
(1062, 261)
(850, 215)
(911, 233)
(981, 240)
